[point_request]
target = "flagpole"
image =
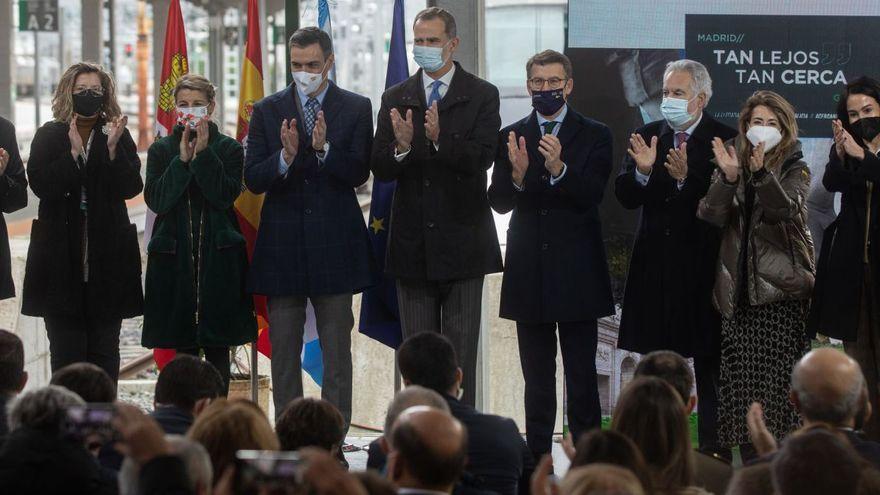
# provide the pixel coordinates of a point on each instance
(291, 24)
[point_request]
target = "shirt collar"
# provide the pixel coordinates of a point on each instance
(303, 98)
(446, 79)
(690, 130)
(559, 118)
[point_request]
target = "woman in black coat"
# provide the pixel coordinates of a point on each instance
(13, 197)
(846, 300)
(83, 272)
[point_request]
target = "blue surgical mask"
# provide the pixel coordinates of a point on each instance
(675, 111)
(429, 58)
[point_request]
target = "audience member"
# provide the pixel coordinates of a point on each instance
(498, 458)
(87, 380)
(610, 447)
(308, 422)
(428, 451)
(649, 412)
(710, 471)
(39, 457)
(752, 480)
(600, 479)
(225, 427)
(413, 395)
(13, 377)
(816, 461)
(195, 459)
(185, 387)
(828, 388)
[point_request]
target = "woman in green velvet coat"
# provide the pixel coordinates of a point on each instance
(197, 260)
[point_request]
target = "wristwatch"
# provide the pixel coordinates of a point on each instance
(321, 152)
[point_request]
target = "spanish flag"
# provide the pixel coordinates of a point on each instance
(174, 66)
(248, 205)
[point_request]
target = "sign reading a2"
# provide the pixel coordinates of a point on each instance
(38, 15)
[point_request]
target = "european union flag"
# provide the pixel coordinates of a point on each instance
(380, 318)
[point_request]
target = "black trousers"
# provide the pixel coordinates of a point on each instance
(537, 354)
(218, 356)
(707, 371)
(84, 339)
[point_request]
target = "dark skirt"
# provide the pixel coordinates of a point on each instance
(759, 347)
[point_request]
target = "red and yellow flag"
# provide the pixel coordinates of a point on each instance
(248, 205)
(174, 66)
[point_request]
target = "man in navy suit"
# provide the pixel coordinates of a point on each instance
(308, 149)
(551, 170)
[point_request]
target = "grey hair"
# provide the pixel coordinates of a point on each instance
(816, 405)
(195, 459)
(43, 409)
(413, 395)
(702, 82)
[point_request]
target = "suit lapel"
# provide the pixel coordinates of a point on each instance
(332, 104)
(529, 129)
(287, 109)
(457, 91)
(413, 94)
(571, 126)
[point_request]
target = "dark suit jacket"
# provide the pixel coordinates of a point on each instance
(441, 224)
(312, 238)
(555, 266)
(667, 303)
(13, 197)
(867, 449)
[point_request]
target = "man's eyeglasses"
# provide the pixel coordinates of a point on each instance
(537, 83)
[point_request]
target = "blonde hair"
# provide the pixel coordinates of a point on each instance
(601, 478)
(195, 82)
(62, 102)
(226, 427)
(784, 113)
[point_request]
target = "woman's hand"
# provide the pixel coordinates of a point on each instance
(726, 159)
(187, 146)
(844, 143)
(76, 142)
(756, 160)
(202, 134)
(115, 128)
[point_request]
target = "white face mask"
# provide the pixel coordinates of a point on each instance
(191, 116)
(308, 82)
(770, 136)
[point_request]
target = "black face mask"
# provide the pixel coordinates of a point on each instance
(87, 103)
(866, 128)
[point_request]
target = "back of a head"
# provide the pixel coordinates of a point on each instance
(670, 367)
(414, 395)
(308, 422)
(196, 460)
(816, 461)
(828, 387)
(651, 414)
(428, 359)
(600, 479)
(225, 427)
(87, 380)
(430, 447)
(11, 363)
(185, 380)
(614, 448)
(43, 409)
(752, 480)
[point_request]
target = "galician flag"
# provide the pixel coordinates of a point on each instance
(174, 66)
(325, 25)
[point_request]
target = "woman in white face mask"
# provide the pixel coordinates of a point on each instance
(194, 296)
(765, 266)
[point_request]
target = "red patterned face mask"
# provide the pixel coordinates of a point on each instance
(191, 115)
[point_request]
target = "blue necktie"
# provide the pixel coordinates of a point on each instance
(311, 111)
(435, 92)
